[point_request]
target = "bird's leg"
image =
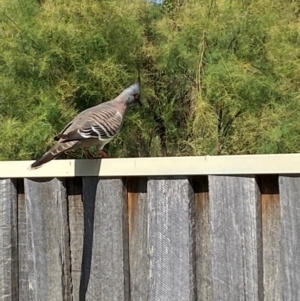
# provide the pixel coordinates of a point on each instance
(103, 154)
(90, 155)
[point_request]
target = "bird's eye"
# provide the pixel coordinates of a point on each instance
(136, 96)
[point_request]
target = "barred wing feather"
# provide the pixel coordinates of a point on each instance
(58, 136)
(103, 124)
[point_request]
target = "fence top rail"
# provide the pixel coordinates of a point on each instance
(162, 166)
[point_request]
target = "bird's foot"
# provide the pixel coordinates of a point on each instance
(103, 154)
(90, 155)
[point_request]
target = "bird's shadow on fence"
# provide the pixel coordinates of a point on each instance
(89, 200)
(89, 190)
(85, 167)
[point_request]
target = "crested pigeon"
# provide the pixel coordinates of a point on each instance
(95, 126)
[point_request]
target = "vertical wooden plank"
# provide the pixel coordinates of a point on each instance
(105, 251)
(22, 245)
(138, 225)
(47, 249)
(171, 241)
(289, 188)
(271, 230)
(8, 240)
(75, 211)
(203, 239)
(236, 236)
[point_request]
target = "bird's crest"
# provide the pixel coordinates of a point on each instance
(131, 94)
(131, 90)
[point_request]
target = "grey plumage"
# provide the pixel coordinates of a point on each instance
(95, 126)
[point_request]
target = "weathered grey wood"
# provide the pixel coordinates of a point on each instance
(8, 240)
(22, 245)
(203, 240)
(289, 188)
(47, 248)
(138, 226)
(271, 230)
(75, 211)
(171, 241)
(106, 271)
(236, 238)
(176, 244)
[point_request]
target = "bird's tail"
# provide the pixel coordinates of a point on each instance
(54, 152)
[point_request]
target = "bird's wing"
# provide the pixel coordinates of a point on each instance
(55, 151)
(58, 136)
(102, 123)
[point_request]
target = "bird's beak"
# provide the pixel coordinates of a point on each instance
(140, 103)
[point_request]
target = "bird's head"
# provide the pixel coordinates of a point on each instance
(132, 94)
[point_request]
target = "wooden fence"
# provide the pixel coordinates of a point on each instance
(162, 237)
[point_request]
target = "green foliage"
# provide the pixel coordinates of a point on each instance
(218, 77)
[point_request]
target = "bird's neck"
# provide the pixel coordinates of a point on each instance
(121, 102)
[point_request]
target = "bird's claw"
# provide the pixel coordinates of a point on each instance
(103, 154)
